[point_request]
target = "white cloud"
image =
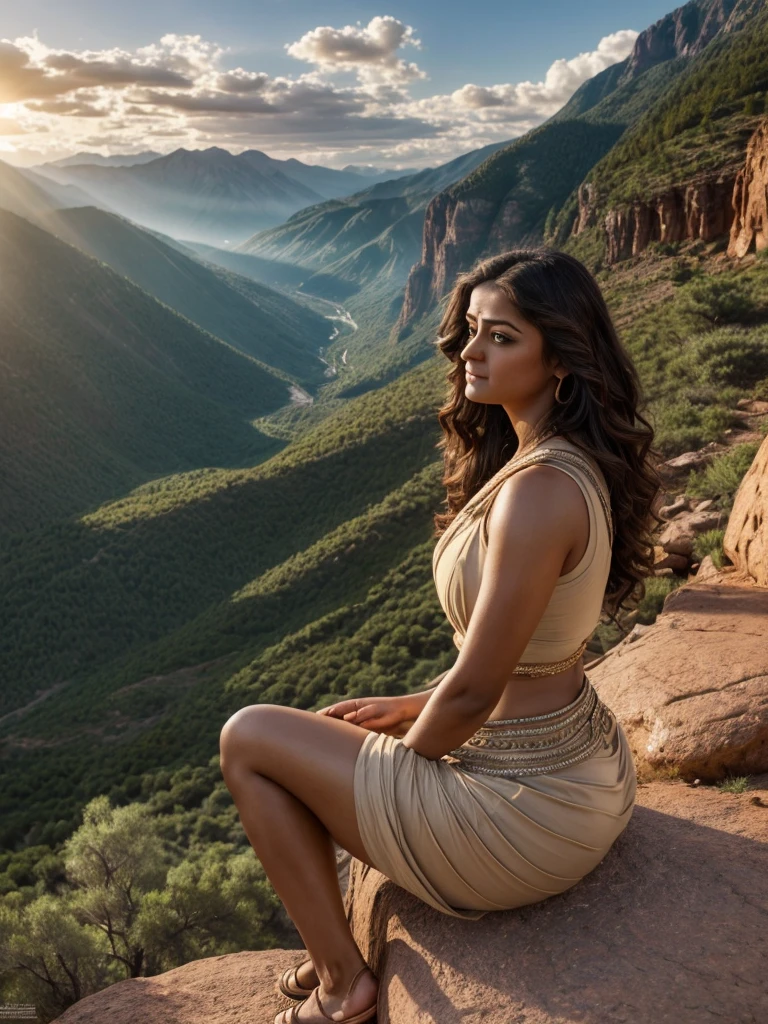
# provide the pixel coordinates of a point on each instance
(177, 87)
(370, 50)
(562, 80)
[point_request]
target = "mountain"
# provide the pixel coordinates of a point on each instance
(369, 171)
(207, 195)
(255, 319)
(553, 180)
(273, 273)
(374, 233)
(97, 160)
(30, 196)
(210, 196)
(326, 181)
(63, 196)
(104, 387)
(223, 561)
(673, 175)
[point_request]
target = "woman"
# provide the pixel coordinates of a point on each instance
(507, 780)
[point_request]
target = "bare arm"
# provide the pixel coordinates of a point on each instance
(530, 532)
(421, 697)
(393, 715)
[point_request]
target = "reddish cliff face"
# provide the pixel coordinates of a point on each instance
(454, 229)
(750, 197)
(700, 209)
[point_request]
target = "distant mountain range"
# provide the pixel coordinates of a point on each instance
(373, 234)
(208, 195)
(114, 160)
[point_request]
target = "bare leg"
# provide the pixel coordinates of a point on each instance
(293, 844)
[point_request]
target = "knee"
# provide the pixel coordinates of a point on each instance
(240, 737)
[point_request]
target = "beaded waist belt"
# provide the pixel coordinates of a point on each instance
(569, 735)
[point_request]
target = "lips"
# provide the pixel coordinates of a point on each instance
(474, 376)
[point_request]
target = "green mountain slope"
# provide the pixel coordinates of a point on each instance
(104, 387)
(255, 319)
(527, 193)
(700, 123)
(374, 233)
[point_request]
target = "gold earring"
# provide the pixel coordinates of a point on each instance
(557, 392)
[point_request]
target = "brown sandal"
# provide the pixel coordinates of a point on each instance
(290, 1016)
(289, 983)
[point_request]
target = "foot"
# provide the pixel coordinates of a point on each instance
(306, 975)
(324, 1005)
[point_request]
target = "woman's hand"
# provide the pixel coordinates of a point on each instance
(391, 715)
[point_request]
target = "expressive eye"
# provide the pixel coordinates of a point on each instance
(494, 334)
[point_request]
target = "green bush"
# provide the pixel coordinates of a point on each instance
(720, 479)
(731, 356)
(717, 300)
(710, 542)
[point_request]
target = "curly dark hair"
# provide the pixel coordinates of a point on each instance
(555, 292)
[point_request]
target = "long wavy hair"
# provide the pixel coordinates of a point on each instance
(555, 292)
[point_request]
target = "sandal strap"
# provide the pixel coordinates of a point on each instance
(293, 1011)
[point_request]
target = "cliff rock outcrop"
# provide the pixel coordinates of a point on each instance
(745, 541)
(683, 32)
(453, 230)
(750, 197)
(700, 209)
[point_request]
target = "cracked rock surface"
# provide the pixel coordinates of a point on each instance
(691, 691)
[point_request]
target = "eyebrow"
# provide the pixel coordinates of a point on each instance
(505, 322)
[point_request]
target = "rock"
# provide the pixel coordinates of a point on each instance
(750, 197)
(667, 560)
(678, 34)
(702, 506)
(678, 505)
(668, 929)
(236, 988)
(453, 227)
(700, 209)
(678, 536)
(693, 460)
(707, 571)
(744, 542)
(690, 692)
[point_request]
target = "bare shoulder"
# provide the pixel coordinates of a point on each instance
(539, 499)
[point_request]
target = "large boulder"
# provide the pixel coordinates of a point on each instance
(670, 928)
(745, 540)
(690, 690)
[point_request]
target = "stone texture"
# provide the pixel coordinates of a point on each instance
(699, 209)
(750, 197)
(232, 989)
(692, 689)
(678, 536)
(668, 929)
(745, 536)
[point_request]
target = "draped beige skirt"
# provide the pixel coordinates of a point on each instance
(513, 816)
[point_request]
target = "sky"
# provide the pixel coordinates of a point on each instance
(393, 85)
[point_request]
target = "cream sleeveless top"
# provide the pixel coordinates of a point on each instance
(575, 607)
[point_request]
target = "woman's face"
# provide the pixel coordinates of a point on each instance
(504, 355)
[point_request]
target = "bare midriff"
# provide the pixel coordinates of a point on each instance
(536, 695)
